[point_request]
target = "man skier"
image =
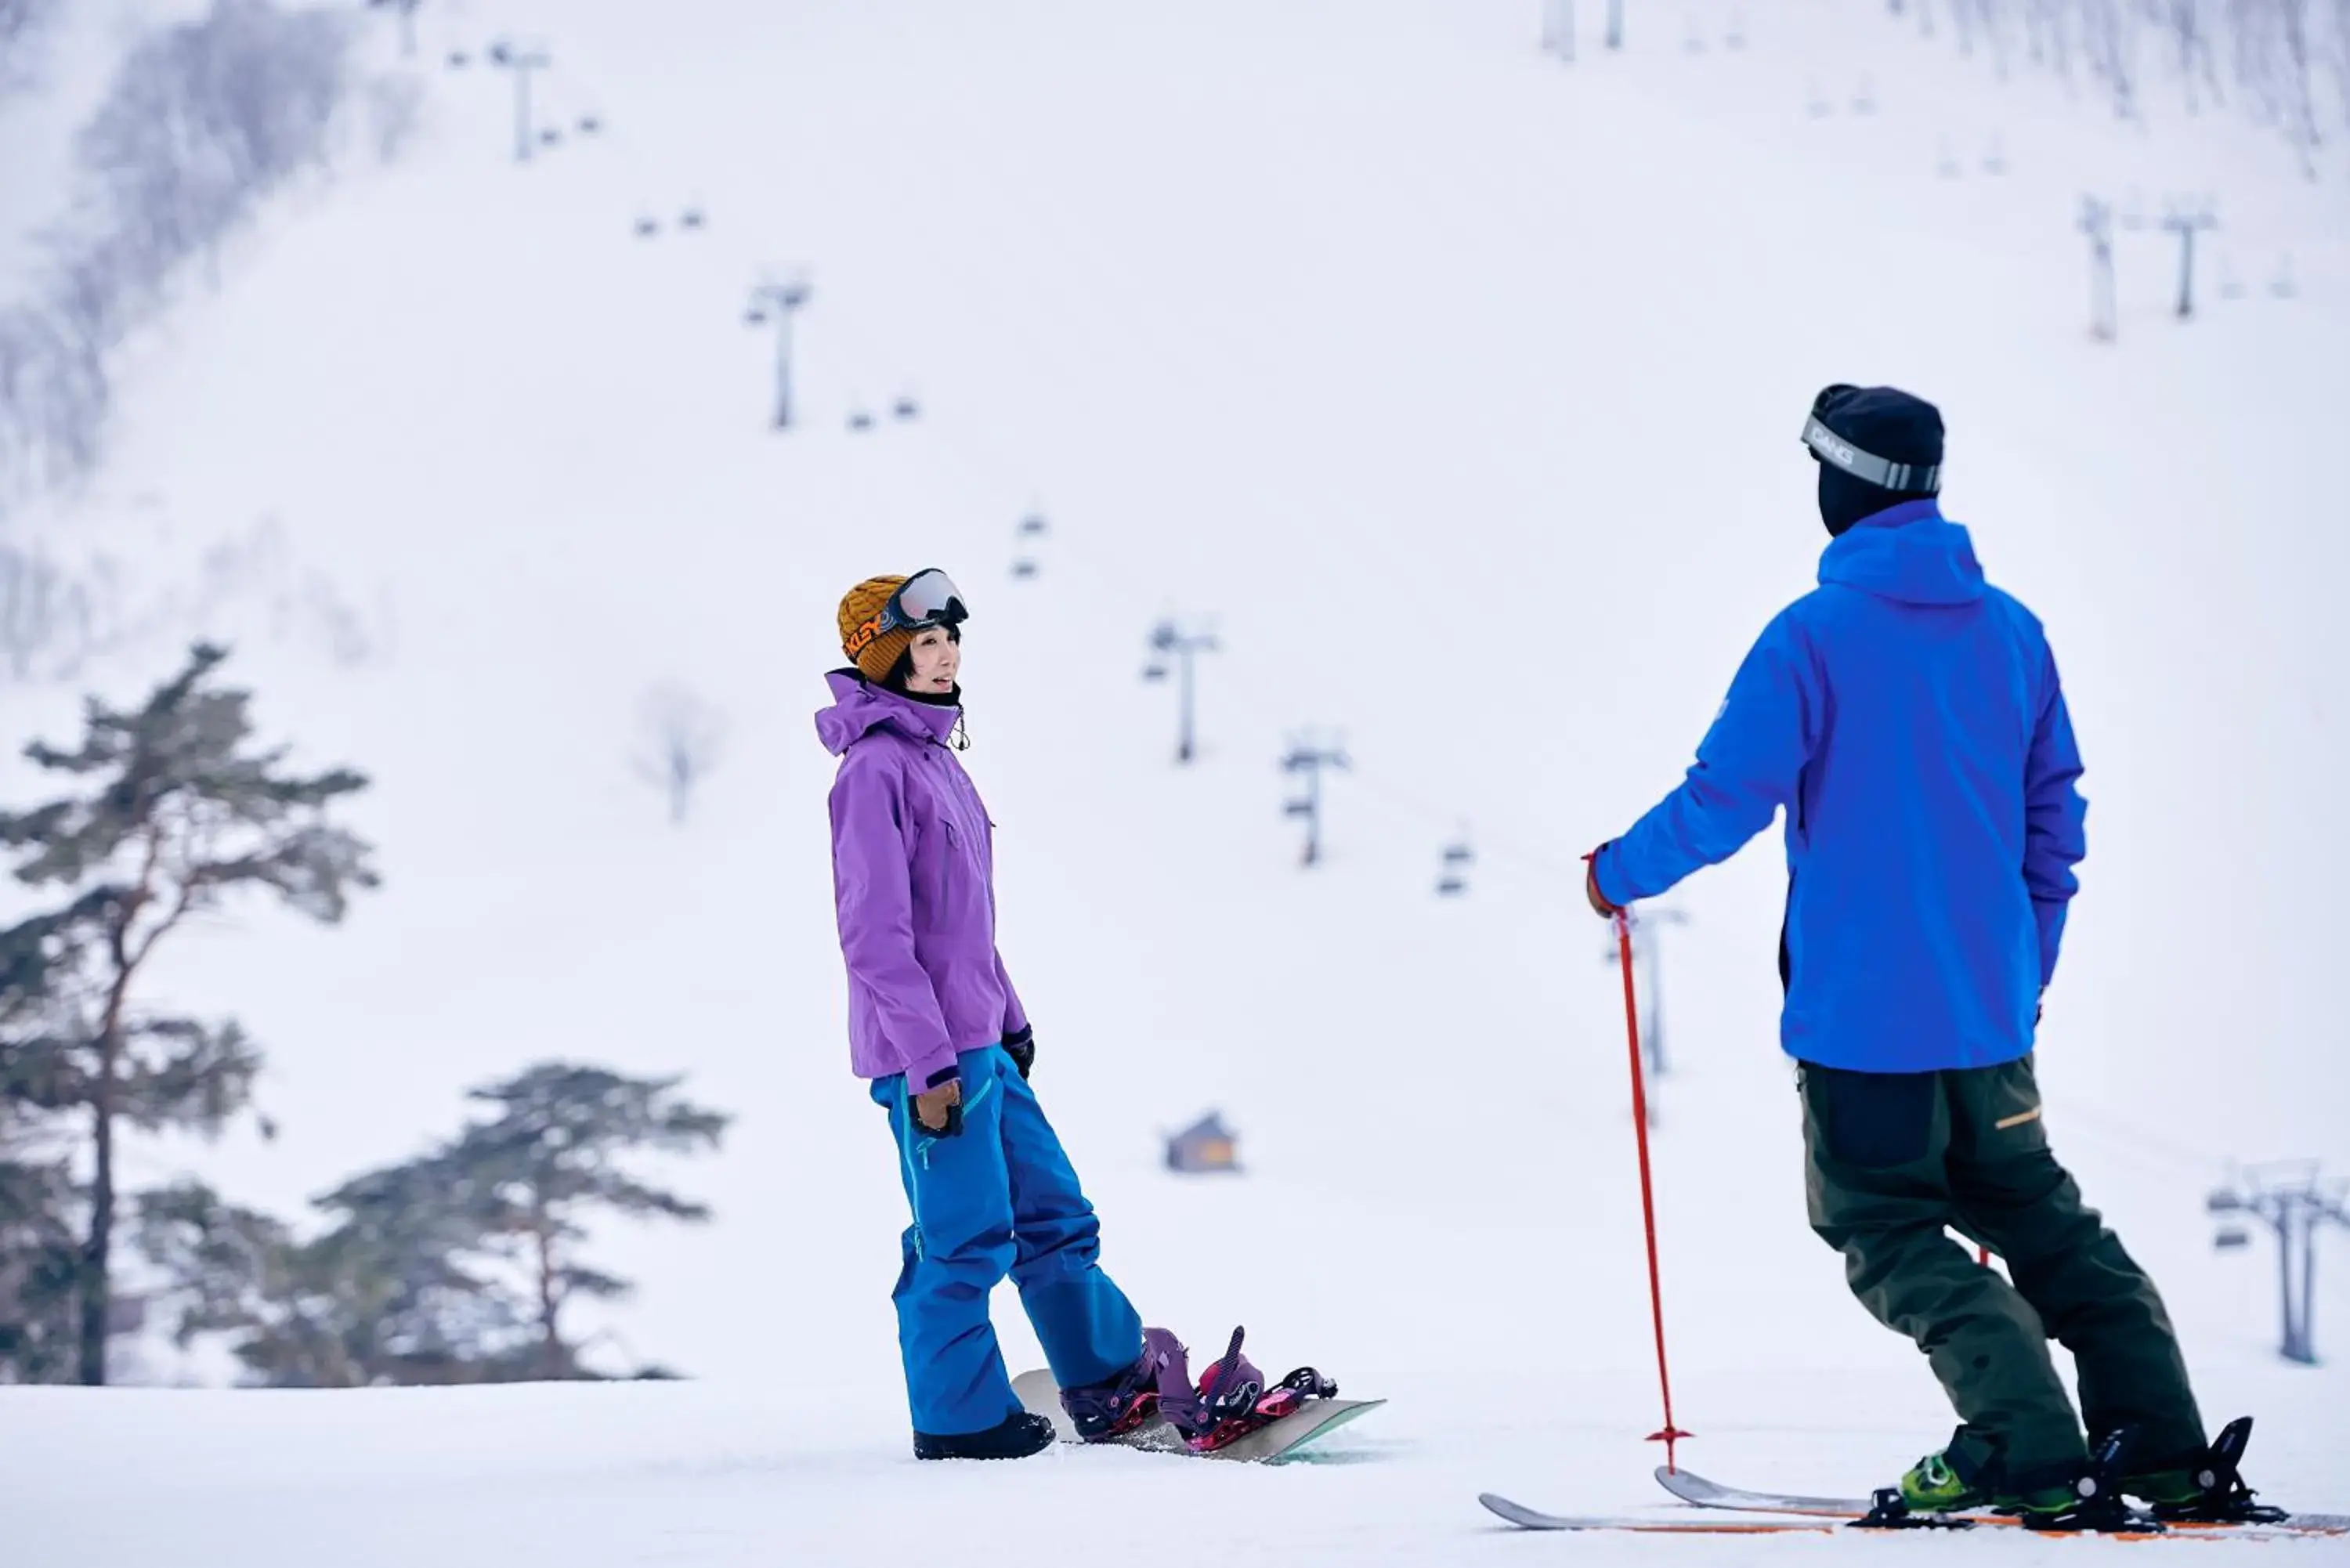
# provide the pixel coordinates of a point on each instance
(1908, 718)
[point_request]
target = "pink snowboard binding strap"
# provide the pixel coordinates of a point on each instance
(1232, 1400)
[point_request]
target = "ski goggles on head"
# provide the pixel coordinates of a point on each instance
(926, 598)
(1883, 471)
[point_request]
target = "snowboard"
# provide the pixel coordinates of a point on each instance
(1266, 1445)
(1695, 1488)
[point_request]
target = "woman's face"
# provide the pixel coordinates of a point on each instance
(937, 660)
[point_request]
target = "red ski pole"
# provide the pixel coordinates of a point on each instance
(1669, 1434)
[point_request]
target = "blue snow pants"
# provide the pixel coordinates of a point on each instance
(999, 1197)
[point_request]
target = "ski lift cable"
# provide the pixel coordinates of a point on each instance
(1486, 844)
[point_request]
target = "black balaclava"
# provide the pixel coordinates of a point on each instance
(1883, 421)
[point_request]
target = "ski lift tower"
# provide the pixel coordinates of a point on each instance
(1308, 756)
(1651, 960)
(2291, 1201)
(777, 301)
(1173, 644)
(522, 60)
(407, 10)
(2097, 222)
(2187, 218)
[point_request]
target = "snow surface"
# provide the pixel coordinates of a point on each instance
(1461, 387)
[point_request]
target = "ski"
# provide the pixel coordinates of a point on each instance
(1692, 1487)
(1526, 1518)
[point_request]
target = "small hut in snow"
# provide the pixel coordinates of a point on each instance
(1205, 1146)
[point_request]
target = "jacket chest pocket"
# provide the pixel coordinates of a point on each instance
(950, 867)
(952, 875)
(951, 862)
(939, 866)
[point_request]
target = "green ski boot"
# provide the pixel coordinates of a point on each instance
(1933, 1485)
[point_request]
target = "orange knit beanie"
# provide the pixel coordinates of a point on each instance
(863, 603)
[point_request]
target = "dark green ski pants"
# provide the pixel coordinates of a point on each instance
(1893, 1159)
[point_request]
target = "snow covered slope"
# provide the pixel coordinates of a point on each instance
(1462, 387)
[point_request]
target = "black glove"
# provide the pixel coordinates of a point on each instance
(1021, 1047)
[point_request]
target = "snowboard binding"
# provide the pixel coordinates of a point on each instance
(2098, 1503)
(2225, 1499)
(1124, 1404)
(1232, 1399)
(2102, 1512)
(1886, 1510)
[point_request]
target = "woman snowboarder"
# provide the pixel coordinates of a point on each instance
(935, 1026)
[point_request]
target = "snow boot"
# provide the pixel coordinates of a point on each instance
(1124, 1401)
(1232, 1400)
(1018, 1436)
(2203, 1488)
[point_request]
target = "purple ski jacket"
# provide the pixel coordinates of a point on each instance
(913, 874)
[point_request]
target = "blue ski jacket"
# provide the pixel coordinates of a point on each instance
(1909, 717)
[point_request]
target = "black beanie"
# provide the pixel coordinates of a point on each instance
(1883, 422)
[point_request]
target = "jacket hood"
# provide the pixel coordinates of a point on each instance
(1910, 554)
(860, 707)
